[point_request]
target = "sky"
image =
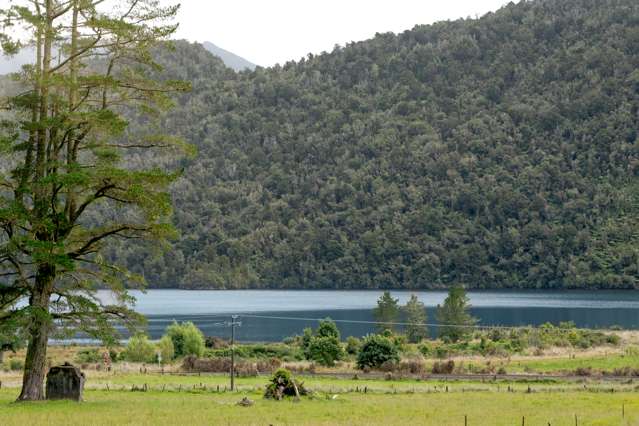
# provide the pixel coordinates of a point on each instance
(267, 32)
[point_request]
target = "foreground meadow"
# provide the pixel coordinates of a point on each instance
(209, 408)
(195, 400)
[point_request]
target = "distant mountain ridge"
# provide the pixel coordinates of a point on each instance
(230, 59)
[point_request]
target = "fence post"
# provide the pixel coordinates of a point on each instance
(465, 420)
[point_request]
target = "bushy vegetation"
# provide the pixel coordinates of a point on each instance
(187, 339)
(376, 351)
(90, 355)
(353, 345)
(261, 351)
(498, 152)
(324, 346)
(504, 342)
(166, 349)
(139, 349)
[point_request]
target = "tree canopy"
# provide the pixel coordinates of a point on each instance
(65, 188)
(493, 152)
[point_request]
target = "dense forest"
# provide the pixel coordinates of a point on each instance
(499, 152)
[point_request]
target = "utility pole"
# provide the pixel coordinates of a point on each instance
(233, 324)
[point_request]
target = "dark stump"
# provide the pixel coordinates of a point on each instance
(65, 382)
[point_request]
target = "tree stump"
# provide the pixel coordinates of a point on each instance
(65, 382)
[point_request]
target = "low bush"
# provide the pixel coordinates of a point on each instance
(88, 356)
(214, 342)
(16, 364)
(583, 371)
(412, 366)
(352, 345)
(446, 367)
(375, 351)
(268, 366)
(193, 364)
(260, 351)
(139, 349)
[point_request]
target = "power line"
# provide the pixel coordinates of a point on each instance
(500, 327)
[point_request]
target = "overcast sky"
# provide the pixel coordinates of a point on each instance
(267, 32)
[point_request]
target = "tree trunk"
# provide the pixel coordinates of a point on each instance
(35, 362)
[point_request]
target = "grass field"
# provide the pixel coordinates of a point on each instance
(206, 408)
(194, 400)
(179, 399)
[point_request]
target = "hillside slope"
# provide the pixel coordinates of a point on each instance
(230, 59)
(498, 152)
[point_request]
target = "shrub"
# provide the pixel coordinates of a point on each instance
(166, 349)
(426, 349)
(443, 367)
(307, 335)
(268, 365)
(191, 363)
(139, 349)
(583, 371)
(375, 351)
(412, 366)
(283, 384)
(16, 364)
(214, 342)
(327, 328)
(88, 356)
(352, 345)
(187, 339)
(325, 350)
(613, 339)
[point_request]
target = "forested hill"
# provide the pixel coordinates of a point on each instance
(497, 152)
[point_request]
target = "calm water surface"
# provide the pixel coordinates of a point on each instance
(209, 309)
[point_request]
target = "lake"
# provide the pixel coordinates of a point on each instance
(292, 310)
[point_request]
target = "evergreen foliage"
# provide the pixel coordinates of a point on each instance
(453, 316)
(377, 350)
(415, 317)
(498, 152)
(387, 311)
(65, 186)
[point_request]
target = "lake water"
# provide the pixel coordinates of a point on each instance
(209, 310)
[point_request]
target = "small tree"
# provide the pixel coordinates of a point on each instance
(187, 339)
(387, 311)
(416, 318)
(325, 350)
(353, 345)
(454, 317)
(66, 185)
(324, 346)
(377, 350)
(327, 328)
(139, 349)
(165, 348)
